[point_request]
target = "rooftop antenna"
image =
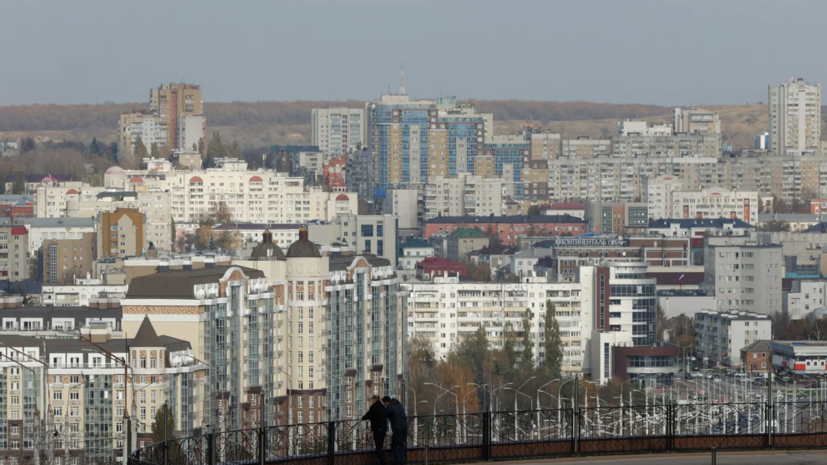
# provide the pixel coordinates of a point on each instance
(402, 79)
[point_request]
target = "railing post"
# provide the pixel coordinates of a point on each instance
(262, 445)
(166, 451)
(769, 415)
(486, 436)
(331, 442)
(211, 448)
(575, 430)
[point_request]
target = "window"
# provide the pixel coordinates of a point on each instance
(57, 395)
(367, 230)
(74, 395)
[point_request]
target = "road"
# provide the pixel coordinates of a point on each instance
(723, 458)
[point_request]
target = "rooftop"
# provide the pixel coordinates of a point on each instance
(342, 262)
(255, 226)
(51, 222)
(416, 243)
(698, 223)
(817, 228)
(517, 219)
(438, 262)
(567, 206)
(468, 233)
(734, 315)
(178, 284)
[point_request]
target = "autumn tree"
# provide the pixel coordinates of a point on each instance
(235, 150)
(775, 226)
(473, 350)
(26, 145)
(535, 210)
(154, 152)
(493, 236)
(3, 176)
(509, 345)
(230, 240)
(163, 426)
(222, 213)
(553, 344)
(479, 272)
(139, 150)
(215, 148)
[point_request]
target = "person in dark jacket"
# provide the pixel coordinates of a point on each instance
(378, 425)
(399, 428)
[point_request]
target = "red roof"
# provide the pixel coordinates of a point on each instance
(71, 192)
(196, 179)
(114, 169)
(18, 230)
(253, 179)
(566, 206)
(136, 179)
(49, 178)
(439, 262)
(342, 197)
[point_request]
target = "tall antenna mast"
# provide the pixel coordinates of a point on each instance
(402, 79)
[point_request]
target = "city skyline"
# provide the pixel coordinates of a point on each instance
(498, 52)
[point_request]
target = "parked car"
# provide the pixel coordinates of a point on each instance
(759, 382)
(687, 375)
(716, 377)
(730, 373)
(696, 368)
(709, 376)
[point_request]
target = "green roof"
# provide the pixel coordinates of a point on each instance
(467, 233)
(415, 243)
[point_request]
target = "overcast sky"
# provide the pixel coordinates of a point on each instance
(620, 51)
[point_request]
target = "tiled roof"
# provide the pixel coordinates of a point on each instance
(468, 233)
(415, 243)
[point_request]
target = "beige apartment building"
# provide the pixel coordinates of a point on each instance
(67, 259)
(172, 103)
(150, 128)
(121, 233)
(14, 254)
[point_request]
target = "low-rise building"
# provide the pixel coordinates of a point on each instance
(81, 292)
(720, 336)
(463, 241)
(805, 297)
(413, 251)
(757, 357)
(800, 357)
(509, 228)
(432, 267)
(62, 261)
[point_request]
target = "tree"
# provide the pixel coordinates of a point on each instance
(3, 176)
(200, 146)
(553, 344)
(34, 269)
(215, 148)
(223, 213)
(26, 145)
(230, 240)
(235, 150)
(527, 359)
(473, 350)
(139, 150)
(113, 150)
(493, 236)
(479, 272)
(94, 148)
(19, 186)
(775, 226)
(509, 345)
(172, 231)
(364, 207)
(534, 210)
(164, 421)
(154, 151)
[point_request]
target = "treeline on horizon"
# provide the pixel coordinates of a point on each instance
(53, 117)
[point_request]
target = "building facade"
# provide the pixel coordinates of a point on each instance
(14, 254)
(174, 104)
(795, 118)
(337, 130)
(720, 336)
(743, 275)
(65, 260)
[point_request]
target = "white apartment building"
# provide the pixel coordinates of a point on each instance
(706, 204)
(445, 311)
(260, 196)
(743, 275)
(79, 293)
(795, 117)
(144, 125)
(41, 229)
(720, 336)
(695, 121)
(335, 130)
(467, 195)
(642, 128)
(805, 297)
(193, 128)
(404, 204)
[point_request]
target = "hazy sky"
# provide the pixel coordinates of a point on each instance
(622, 51)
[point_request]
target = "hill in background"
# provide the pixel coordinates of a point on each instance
(259, 124)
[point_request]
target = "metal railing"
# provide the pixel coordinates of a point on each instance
(514, 435)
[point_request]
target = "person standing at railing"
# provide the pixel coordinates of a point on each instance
(399, 429)
(378, 418)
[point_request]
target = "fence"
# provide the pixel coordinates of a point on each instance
(514, 435)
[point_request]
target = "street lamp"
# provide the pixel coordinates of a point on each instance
(497, 389)
(469, 392)
(446, 391)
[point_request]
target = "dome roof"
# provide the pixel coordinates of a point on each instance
(342, 197)
(137, 179)
(303, 247)
(196, 179)
(255, 179)
(49, 178)
(267, 249)
(114, 170)
(71, 192)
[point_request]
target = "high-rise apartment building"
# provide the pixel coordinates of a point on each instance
(337, 130)
(173, 103)
(121, 233)
(14, 254)
(795, 118)
(63, 260)
(149, 127)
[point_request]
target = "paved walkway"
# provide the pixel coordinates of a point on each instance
(724, 458)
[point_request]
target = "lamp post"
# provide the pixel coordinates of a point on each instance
(446, 391)
(464, 415)
(515, 401)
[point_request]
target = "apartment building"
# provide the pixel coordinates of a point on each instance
(695, 121)
(743, 275)
(251, 196)
(414, 251)
(511, 154)
(180, 109)
(405, 205)
(613, 298)
(82, 292)
(584, 148)
(337, 130)
(121, 233)
(618, 218)
(62, 261)
(359, 173)
(148, 127)
(720, 336)
(509, 227)
(706, 204)
(658, 142)
(14, 256)
(39, 230)
(463, 241)
(275, 324)
(467, 194)
(805, 297)
(794, 109)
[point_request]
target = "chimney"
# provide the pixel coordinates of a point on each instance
(303, 234)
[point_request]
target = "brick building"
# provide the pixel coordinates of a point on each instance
(509, 227)
(431, 267)
(757, 357)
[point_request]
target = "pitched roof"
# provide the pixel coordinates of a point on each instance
(178, 284)
(517, 219)
(146, 336)
(758, 346)
(468, 233)
(817, 228)
(415, 243)
(438, 262)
